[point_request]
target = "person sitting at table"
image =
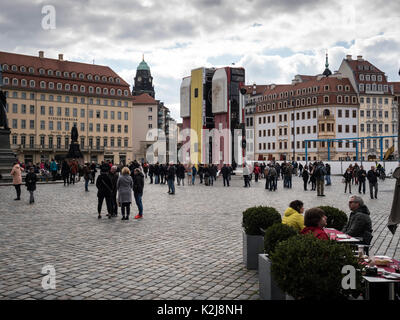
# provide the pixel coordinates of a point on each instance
(359, 224)
(315, 221)
(293, 215)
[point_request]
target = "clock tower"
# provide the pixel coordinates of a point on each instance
(143, 80)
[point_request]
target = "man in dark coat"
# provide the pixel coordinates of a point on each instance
(305, 176)
(104, 187)
(361, 176)
(171, 178)
(30, 183)
(114, 178)
(138, 186)
(372, 177)
(65, 172)
(151, 173)
(359, 224)
(225, 175)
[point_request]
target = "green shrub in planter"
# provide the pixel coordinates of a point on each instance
(255, 218)
(275, 234)
(309, 268)
(336, 218)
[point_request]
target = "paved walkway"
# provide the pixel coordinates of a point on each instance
(187, 246)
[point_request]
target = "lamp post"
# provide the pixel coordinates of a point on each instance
(294, 131)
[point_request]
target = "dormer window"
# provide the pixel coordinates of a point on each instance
(24, 83)
(98, 90)
(22, 69)
(97, 78)
(58, 73)
(112, 91)
(51, 85)
(90, 77)
(105, 91)
(81, 76)
(14, 68)
(117, 80)
(91, 89)
(73, 75)
(67, 87)
(82, 88)
(126, 93)
(74, 87)
(59, 86)
(111, 79)
(104, 78)
(5, 67)
(50, 72)
(66, 74)
(119, 92)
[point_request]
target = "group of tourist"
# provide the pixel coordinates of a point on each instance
(358, 176)
(314, 221)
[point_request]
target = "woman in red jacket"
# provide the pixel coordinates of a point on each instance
(315, 221)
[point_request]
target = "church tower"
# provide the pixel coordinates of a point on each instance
(143, 80)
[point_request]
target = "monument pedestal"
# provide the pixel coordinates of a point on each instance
(75, 152)
(7, 157)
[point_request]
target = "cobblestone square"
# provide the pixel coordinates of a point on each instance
(187, 246)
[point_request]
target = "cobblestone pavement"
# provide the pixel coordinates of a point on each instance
(187, 246)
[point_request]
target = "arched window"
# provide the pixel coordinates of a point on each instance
(91, 89)
(67, 87)
(22, 69)
(112, 91)
(5, 67)
(59, 86)
(58, 73)
(90, 77)
(96, 77)
(117, 80)
(81, 76)
(104, 78)
(74, 87)
(32, 83)
(24, 83)
(14, 68)
(98, 90)
(42, 71)
(119, 92)
(50, 72)
(82, 88)
(105, 91)
(42, 84)
(126, 92)
(73, 75)
(51, 85)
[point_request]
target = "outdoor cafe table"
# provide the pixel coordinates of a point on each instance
(339, 236)
(389, 279)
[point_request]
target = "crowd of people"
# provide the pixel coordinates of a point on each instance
(115, 183)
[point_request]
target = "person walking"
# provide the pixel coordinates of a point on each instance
(194, 172)
(53, 169)
(246, 173)
(138, 185)
(328, 174)
(225, 175)
(65, 172)
(104, 187)
(93, 171)
(361, 177)
(313, 179)
(171, 178)
(320, 177)
(86, 176)
(30, 183)
(16, 173)
(113, 174)
(257, 171)
(347, 176)
(151, 173)
(272, 177)
(372, 177)
(157, 173)
(74, 171)
(305, 176)
(124, 188)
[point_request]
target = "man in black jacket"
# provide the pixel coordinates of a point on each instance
(372, 177)
(361, 176)
(225, 175)
(359, 224)
(138, 185)
(114, 178)
(104, 187)
(171, 178)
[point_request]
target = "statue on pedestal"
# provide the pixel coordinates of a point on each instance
(3, 112)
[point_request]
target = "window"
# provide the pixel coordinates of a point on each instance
(67, 126)
(354, 113)
(119, 115)
(98, 127)
(90, 113)
(74, 112)
(339, 113)
(339, 128)
(150, 118)
(50, 125)
(126, 115)
(31, 124)
(23, 124)
(112, 115)
(112, 129)
(119, 128)
(98, 114)
(347, 128)
(90, 127)
(23, 108)
(82, 126)
(67, 112)
(347, 113)
(105, 128)
(15, 124)
(42, 125)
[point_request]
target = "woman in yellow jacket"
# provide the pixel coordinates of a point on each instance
(293, 215)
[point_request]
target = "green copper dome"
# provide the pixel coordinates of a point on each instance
(143, 66)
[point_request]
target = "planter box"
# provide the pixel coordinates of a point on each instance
(252, 247)
(269, 290)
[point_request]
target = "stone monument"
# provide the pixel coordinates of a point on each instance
(7, 157)
(74, 150)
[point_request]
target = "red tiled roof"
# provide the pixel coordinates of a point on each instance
(396, 87)
(58, 65)
(144, 98)
(355, 63)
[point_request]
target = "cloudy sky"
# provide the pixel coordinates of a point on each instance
(273, 40)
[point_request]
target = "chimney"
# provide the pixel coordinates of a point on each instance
(359, 58)
(60, 57)
(348, 57)
(41, 54)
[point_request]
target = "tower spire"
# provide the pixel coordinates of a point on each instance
(143, 57)
(327, 72)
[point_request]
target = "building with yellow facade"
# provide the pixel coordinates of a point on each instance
(47, 97)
